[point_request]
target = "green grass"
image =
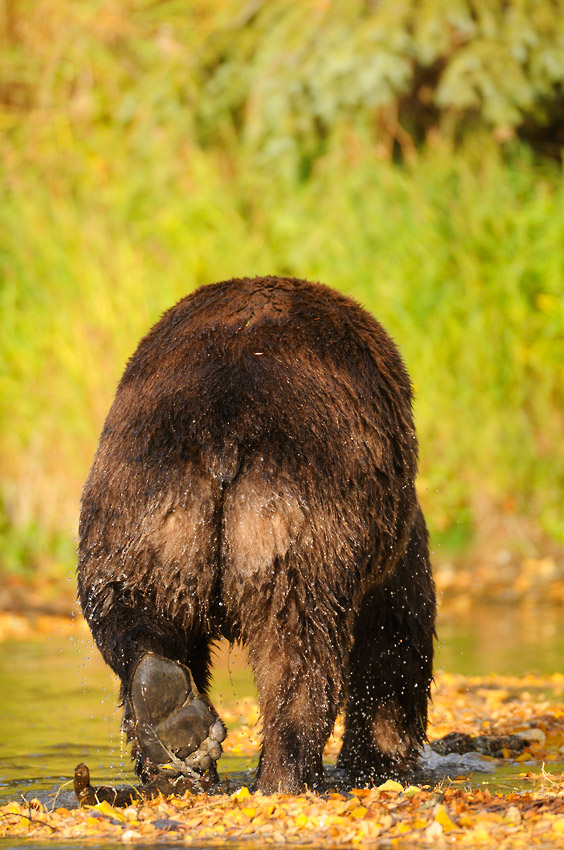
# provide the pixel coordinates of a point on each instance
(459, 255)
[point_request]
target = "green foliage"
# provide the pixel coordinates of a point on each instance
(34, 549)
(289, 72)
(284, 77)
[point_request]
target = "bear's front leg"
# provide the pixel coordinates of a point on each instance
(174, 729)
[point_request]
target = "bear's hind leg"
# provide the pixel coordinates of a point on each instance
(298, 684)
(390, 669)
(169, 721)
(147, 581)
(164, 674)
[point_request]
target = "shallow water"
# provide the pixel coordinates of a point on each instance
(59, 701)
(503, 639)
(60, 707)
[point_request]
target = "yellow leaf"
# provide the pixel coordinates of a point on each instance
(482, 835)
(105, 809)
(337, 820)
(12, 809)
(349, 805)
(359, 812)
(241, 793)
(390, 785)
(558, 826)
(249, 811)
(444, 820)
(301, 820)
(412, 790)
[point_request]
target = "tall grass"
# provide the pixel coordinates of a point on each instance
(460, 257)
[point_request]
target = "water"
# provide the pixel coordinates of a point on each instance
(507, 640)
(60, 707)
(59, 700)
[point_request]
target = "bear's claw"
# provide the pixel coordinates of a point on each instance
(177, 728)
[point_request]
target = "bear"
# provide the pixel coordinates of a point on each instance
(255, 481)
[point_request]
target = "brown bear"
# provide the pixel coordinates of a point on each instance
(255, 480)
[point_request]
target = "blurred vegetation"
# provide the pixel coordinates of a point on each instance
(394, 151)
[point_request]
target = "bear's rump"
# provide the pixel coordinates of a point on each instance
(262, 521)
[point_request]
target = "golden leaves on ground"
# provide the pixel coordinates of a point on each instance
(530, 580)
(529, 706)
(365, 816)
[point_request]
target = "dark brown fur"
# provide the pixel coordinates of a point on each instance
(255, 480)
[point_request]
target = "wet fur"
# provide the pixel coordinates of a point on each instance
(255, 480)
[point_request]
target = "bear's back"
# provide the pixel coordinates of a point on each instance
(278, 365)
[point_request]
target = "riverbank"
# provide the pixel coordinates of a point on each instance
(397, 815)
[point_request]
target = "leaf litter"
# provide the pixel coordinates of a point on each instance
(529, 709)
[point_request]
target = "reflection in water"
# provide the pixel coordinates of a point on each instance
(59, 700)
(504, 639)
(59, 708)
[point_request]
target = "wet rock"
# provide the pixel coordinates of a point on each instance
(497, 746)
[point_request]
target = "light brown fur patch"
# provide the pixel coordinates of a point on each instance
(386, 731)
(261, 523)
